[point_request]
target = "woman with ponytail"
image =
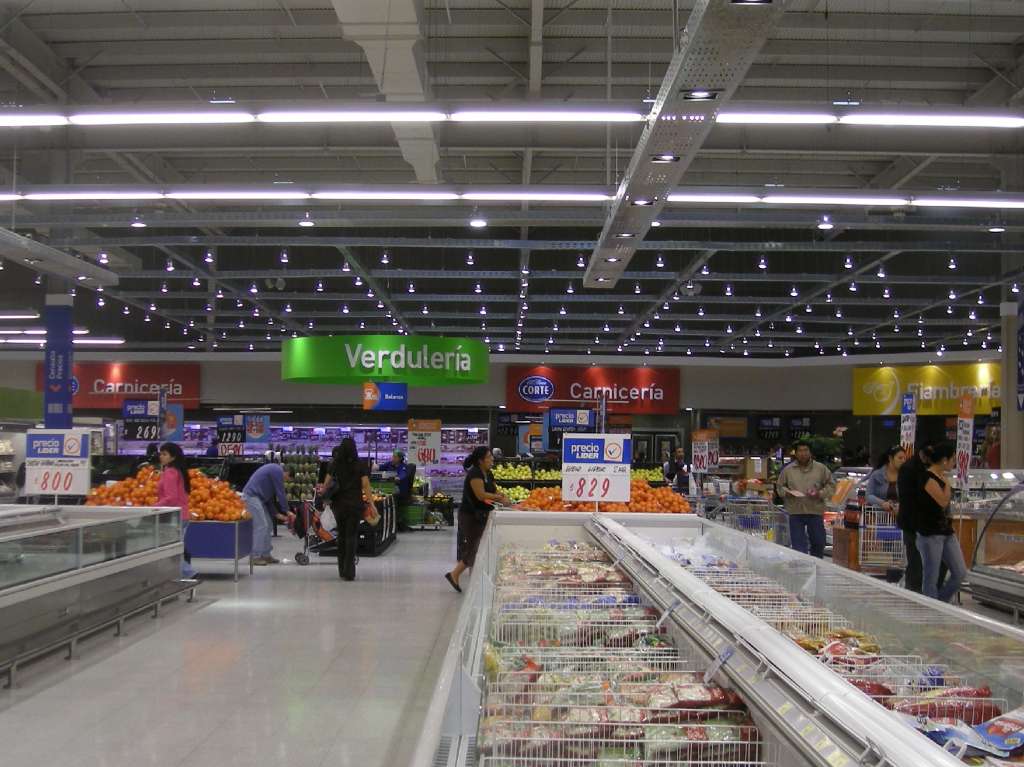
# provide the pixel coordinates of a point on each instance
(936, 541)
(479, 494)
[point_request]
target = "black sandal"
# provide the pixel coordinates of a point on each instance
(454, 585)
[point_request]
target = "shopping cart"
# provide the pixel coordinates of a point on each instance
(757, 517)
(315, 537)
(880, 542)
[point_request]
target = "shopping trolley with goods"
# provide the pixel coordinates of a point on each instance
(757, 517)
(880, 543)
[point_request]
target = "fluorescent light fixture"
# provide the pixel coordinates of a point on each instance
(216, 117)
(370, 194)
(389, 115)
(997, 229)
(934, 120)
(241, 194)
(10, 197)
(477, 222)
(545, 116)
(776, 118)
(19, 315)
(825, 199)
(96, 194)
(967, 202)
(538, 196)
(713, 197)
(26, 120)
(99, 341)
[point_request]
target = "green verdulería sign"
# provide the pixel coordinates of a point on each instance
(416, 360)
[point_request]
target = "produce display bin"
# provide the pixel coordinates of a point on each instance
(208, 539)
(804, 707)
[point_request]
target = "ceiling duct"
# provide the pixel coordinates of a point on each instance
(714, 52)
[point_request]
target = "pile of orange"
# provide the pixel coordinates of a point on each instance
(643, 498)
(208, 499)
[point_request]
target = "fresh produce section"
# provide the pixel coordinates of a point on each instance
(209, 499)
(303, 463)
(643, 498)
(578, 671)
(515, 493)
(650, 475)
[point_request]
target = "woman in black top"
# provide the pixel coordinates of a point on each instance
(346, 485)
(479, 493)
(936, 541)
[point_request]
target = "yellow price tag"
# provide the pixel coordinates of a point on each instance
(785, 708)
(807, 730)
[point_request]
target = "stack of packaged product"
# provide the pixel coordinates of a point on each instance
(580, 671)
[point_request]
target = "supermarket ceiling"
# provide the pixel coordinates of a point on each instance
(560, 176)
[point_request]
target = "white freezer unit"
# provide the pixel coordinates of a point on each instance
(807, 715)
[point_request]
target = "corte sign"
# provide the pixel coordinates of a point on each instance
(107, 385)
(416, 360)
(652, 391)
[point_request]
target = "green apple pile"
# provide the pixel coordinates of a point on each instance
(548, 474)
(515, 493)
(512, 471)
(651, 475)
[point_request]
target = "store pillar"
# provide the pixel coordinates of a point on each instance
(1011, 424)
(1012, 421)
(57, 362)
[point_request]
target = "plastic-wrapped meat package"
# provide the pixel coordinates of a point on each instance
(626, 715)
(700, 696)
(876, 690)
(586, 722)
(498, 736)
(622, 637)
(631, 672)
(968, 708)
(664, 742)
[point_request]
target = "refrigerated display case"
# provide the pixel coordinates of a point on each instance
(67, 571)
(997, 568)
(804, 709)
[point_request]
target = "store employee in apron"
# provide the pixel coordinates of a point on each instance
(677, 472)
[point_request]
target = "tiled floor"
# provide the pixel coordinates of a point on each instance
(292, 667)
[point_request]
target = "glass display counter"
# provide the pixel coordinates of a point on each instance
(68, 571)
(997, 567)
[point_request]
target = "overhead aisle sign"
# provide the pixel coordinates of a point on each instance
(596, 467)
(57, 462)
(908, 423)
(141, 420)
(964, 440)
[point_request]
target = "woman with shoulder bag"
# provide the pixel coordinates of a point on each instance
(479, 494)
(346, 485)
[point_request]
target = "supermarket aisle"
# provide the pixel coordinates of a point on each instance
(292, 667)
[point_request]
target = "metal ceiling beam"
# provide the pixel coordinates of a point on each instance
(769, 247)
(674, 288)
(390, 36)
(713, 54)
(373, 284)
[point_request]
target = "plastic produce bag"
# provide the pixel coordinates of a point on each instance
(328, 522)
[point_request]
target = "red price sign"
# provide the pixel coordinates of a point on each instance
(591, 488)
(426, 455)
(53, 482)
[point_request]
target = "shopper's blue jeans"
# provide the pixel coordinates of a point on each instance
(934, 550)
(187, 571)
(260, 525)
(804, 528)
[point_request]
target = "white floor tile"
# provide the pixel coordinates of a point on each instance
(291, 667)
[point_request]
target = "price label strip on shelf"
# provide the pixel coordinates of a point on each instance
(57, 462)
(596, 468)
